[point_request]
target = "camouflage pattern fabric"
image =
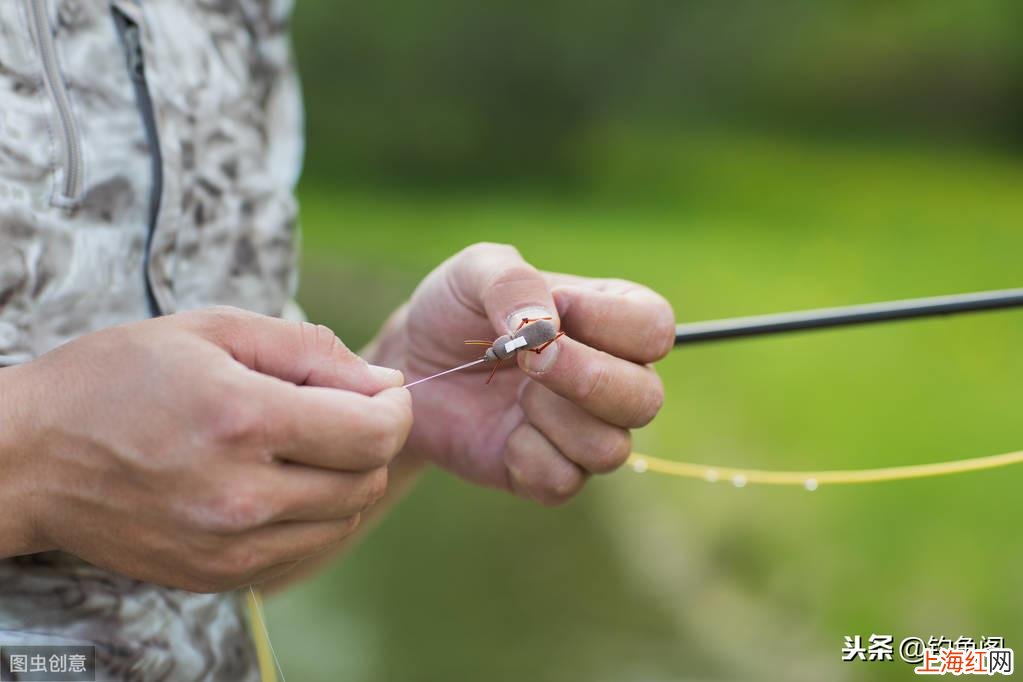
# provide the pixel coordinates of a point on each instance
(227, 111)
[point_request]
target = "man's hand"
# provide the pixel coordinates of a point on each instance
(541, 431)
(203, 450)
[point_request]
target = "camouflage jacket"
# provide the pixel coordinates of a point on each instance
(148, 151)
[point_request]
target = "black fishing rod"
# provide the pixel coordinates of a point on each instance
(824, 318)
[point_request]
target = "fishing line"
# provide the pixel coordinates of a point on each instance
(824, 318)
(447, 371)
(811, 480)
(256, 611)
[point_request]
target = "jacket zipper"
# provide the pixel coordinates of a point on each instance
(59, 93)
(131, 39)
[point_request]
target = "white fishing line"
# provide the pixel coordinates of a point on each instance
(447, 371)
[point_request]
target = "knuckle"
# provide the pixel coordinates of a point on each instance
(380, 452)
(219, 318)
(611, 451)
(381, 446)
(562, 488)
(513, 274)
(226, 569)
(325, 337)
(593, 384)
(662, 331)
(387, 434)
(321, 340)
(222, 313)
(649, 404)
(234, 512)
(346, 528)
(374, 488)
(378, 484)
(399, 416)
(404, 424)
(338, 350)
(233, 422)
(509, 266)
(535, 398)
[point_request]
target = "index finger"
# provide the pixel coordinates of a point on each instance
(325, 427)
(299, 352)
(625, 319)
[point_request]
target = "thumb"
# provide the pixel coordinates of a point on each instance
(301, 353)
(497, 279)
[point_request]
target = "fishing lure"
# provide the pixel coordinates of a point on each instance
(533, 334)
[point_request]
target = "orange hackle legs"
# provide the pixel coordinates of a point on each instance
(509, 344)
(527, 320)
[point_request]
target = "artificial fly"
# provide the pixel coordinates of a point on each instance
(533, 334)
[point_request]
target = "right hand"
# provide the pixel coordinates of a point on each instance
(205, 450)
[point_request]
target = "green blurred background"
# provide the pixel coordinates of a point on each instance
(740, 157)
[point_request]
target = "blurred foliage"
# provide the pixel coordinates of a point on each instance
(458, 90)
(741, 158)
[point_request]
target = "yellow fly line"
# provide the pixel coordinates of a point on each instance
(811, 480)
(265, 654)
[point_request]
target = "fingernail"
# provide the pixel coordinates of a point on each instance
(538, 363)
(387, 376)
(534, 312)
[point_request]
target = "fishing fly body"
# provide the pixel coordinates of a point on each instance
(533, 334)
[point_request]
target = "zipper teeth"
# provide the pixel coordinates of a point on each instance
(131, 38)
(72, 143)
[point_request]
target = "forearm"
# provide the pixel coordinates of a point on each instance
(17, 535)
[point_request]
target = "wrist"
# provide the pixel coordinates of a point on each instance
(19, 449)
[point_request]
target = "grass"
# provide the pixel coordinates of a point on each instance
(647, 578)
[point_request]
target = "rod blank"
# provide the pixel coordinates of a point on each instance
(823, 318)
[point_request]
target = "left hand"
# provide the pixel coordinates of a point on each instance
(542, 431)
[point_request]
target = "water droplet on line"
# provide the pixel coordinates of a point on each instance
(711, 476)
(811, 484)
(739, 480)
(639, 465)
